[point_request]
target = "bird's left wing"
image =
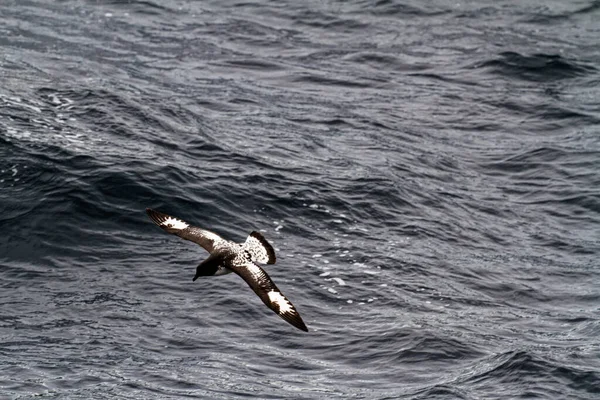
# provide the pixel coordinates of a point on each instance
(263, 286)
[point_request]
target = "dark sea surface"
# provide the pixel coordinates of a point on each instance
(428, 173)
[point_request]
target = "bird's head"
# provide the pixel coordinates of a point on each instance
(207, 267)
(201, 271)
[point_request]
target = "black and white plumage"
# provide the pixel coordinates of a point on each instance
(226, 257)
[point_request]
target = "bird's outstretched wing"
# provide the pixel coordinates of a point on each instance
(176, 226)
(264, 287)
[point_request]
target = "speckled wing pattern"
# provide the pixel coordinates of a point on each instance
(264, 287)
(176, 226)
(260, 250)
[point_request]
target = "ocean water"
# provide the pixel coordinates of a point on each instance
(428, 173)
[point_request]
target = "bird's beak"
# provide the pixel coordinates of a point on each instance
(194, 278)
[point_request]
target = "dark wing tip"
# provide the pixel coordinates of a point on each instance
(267, 246)
(155, 216)
(293, 318)
(298, 323)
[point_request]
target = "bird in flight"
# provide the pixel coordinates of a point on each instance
(242, 258)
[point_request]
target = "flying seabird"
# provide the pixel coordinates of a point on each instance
(227, 256)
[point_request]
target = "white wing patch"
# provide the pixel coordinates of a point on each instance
(174, 223)
(284, 304)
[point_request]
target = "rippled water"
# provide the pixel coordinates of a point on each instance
(428, 174)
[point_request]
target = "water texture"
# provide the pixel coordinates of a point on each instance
(428, 172)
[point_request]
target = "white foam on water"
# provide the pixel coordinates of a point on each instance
(339, 281)
(371, 272)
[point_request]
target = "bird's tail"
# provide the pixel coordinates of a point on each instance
(260, 250)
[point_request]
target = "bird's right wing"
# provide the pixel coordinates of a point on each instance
(263, 286)
(178, 227)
